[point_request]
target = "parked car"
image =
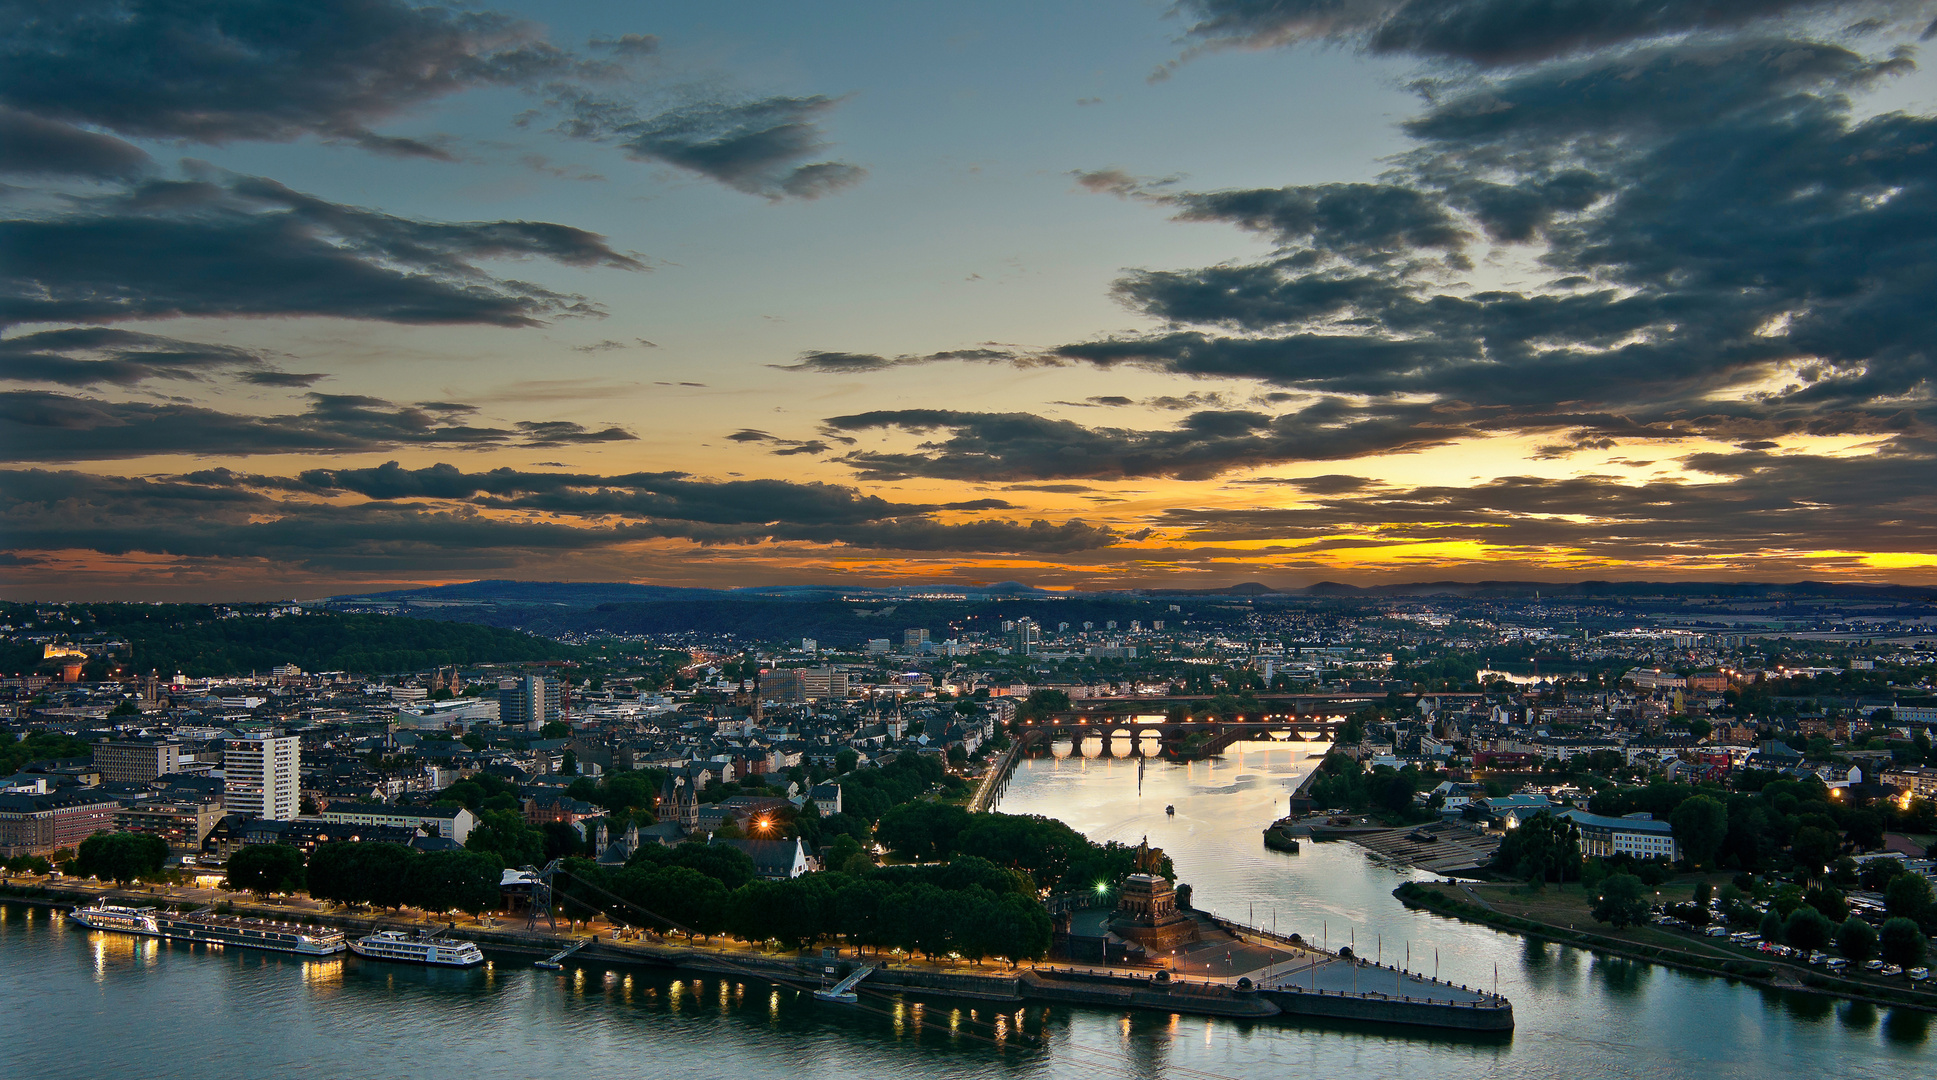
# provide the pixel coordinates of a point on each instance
(1919, 974)
(1889, 970)
(1873, 965)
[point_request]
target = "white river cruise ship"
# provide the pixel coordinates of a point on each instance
(207, 927)
(417, 949)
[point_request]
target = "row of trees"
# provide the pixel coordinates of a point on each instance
(1381, 790)
(1815, 919)
(968, 907)
(121, 857)
(1621, 900)
(1766, 822)
(380, 875)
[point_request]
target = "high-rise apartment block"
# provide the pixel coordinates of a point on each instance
(529, 701)
(262, 776)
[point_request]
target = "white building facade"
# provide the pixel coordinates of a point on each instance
(262, 775)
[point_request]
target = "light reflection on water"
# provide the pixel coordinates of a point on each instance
(243, 1014)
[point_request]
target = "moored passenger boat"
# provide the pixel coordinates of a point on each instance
(417, 949)
(209, 928)
(127, 920)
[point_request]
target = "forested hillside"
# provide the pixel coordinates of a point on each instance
(199, 640)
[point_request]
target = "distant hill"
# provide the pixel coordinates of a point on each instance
(1579, 590)
(591, 594)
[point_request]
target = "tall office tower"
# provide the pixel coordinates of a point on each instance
(262, 776)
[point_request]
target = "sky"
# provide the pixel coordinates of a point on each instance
(303, 297)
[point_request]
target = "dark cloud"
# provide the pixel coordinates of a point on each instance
(782, 447)
(659, 495)
(92, 356)
(283, 378)
(627, 44)
(1329, 484)
(213, 72)
(247, 246)
(1733, 254)
(760, 147)
(844, 363)
(1365, 221)
(566, 433)
(220, 514)
(1023, 446)
(30, 145)
(1485, 32)
(43, 426)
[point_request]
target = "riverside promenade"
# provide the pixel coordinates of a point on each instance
(1238, 972)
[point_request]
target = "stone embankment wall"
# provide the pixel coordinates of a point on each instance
(1386, 1010)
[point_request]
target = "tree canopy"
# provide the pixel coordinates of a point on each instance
(121, 857)
(1621, 901)
(1543, 848)
(266, 868)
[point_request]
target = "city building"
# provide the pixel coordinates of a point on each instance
(36, 824)
(1915, 781)
(136, 761)
(450, 822)
(804, 684)
(827, 798)
(184, 823)
(529, 701)
(1639, 835)
(261, 775)
(773, 860)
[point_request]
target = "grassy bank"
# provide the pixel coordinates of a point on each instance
(1547, 914)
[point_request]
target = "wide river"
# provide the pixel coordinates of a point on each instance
(91, 1005)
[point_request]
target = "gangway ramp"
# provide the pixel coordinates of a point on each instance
(557, 959)
(843, 991)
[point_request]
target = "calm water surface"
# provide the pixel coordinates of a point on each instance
(85, 1004)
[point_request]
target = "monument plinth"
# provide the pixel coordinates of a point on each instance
(1146, 909)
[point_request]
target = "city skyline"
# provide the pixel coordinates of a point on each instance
(304, 299)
